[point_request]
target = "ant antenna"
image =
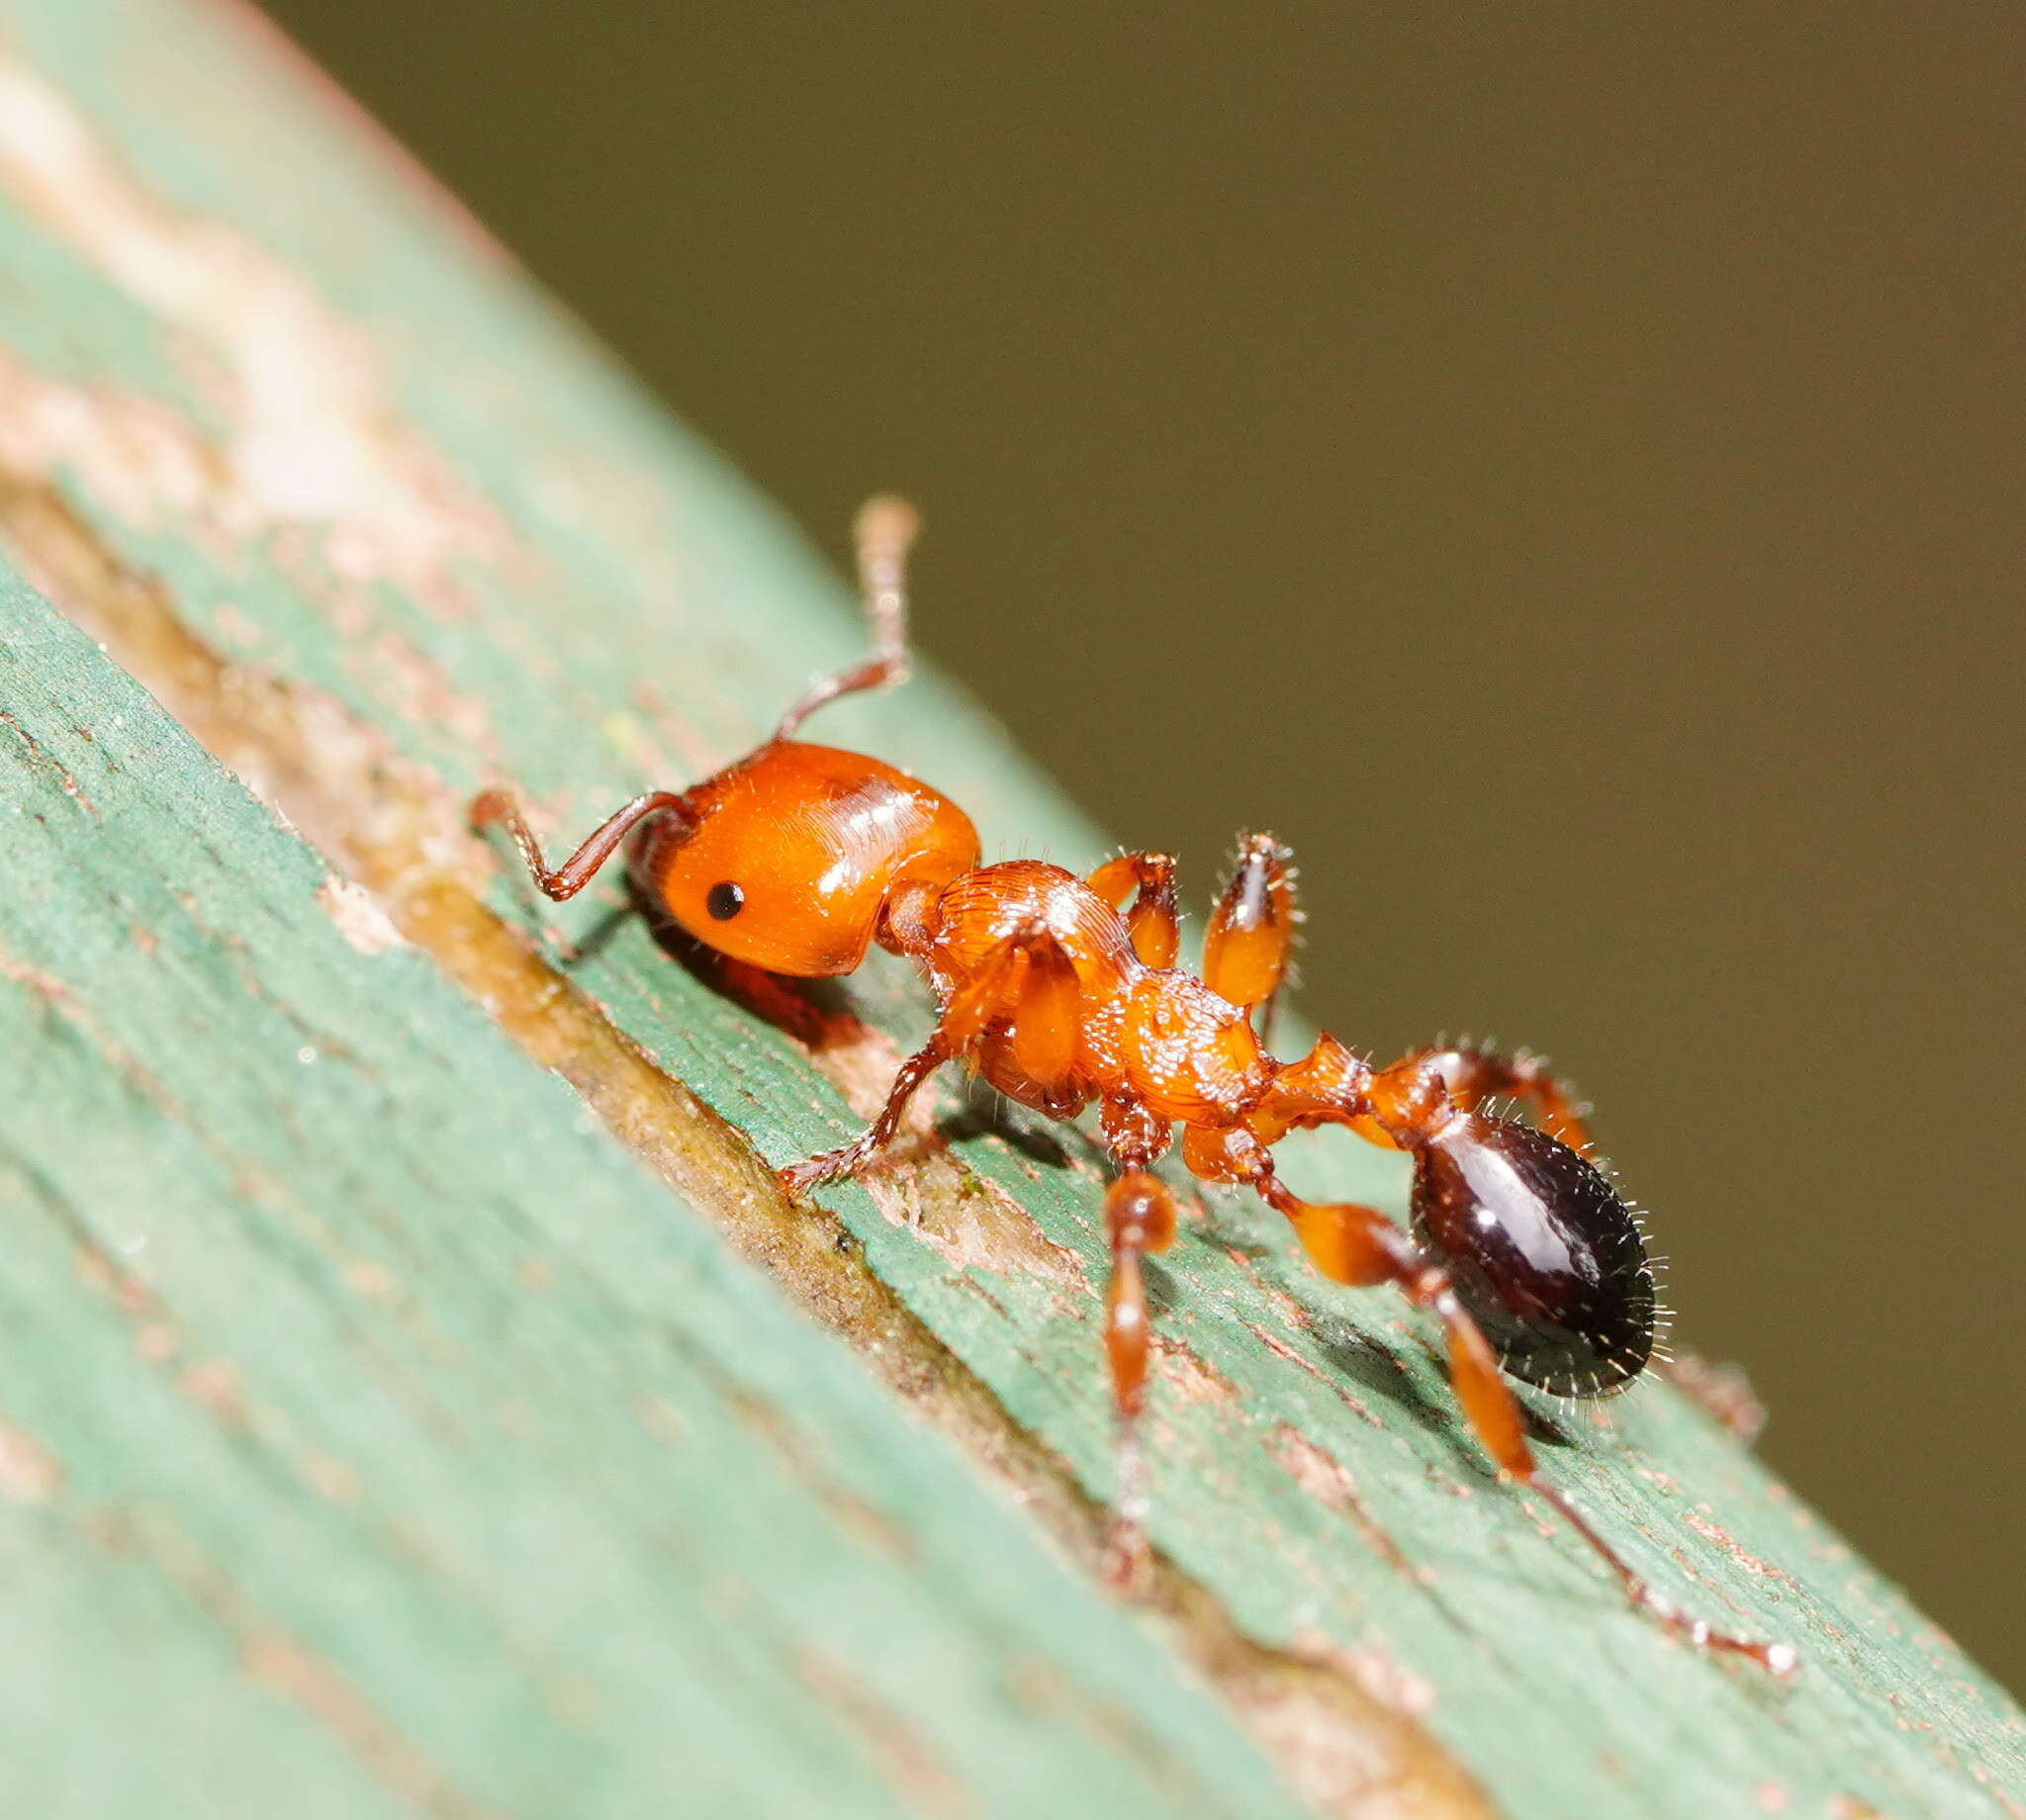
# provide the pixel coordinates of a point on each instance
(885, 529)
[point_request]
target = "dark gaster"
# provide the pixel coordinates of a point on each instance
(1541, 1251)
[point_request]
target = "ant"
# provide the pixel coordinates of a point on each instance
(1062, 992)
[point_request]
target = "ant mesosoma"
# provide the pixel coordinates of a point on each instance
(1062, 992)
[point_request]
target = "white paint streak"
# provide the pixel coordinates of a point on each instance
(313, 437)
(358, 916)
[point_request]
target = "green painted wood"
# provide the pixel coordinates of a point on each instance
(267, 370)
(379, 1438)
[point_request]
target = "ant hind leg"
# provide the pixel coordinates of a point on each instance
(1475, 1071)
(1360, 1247)
(1719, 1389)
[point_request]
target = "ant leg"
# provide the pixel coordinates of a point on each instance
(1473, 1073)
(1024, 997)
(1251, 937)
(1360, 1247)
(1139, 1217)
(850, 1158)
(498, 807)
(885, 529)
(1721, 1391)
(1025, 1006)
(780, 999)
(1154, 920)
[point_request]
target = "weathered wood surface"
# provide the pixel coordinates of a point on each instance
(378, 1437)
(378, 1431)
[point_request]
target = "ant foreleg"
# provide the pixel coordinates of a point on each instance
(1250, 942)
(1474, 1072)
(1154, 920)
(496, 807)
(885, 529)
(1360, 1247)
(850, 1158)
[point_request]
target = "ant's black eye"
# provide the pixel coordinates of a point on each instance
(724, 901)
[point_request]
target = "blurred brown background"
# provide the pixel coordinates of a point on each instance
(1561, 472)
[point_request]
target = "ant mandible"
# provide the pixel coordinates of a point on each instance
(1060, 991)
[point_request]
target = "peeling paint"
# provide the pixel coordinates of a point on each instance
(918, 1772)
(359, 917)
(315, 437)
(1185, 1377)
(1715, 1532)
(38, 980)
(284, 1665)
(1333, 1381)
(215, 1384)
(1329, 1481)
(30, 1473)
(36, 756)
(970, 1221)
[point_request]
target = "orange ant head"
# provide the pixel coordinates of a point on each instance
(786, 859)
